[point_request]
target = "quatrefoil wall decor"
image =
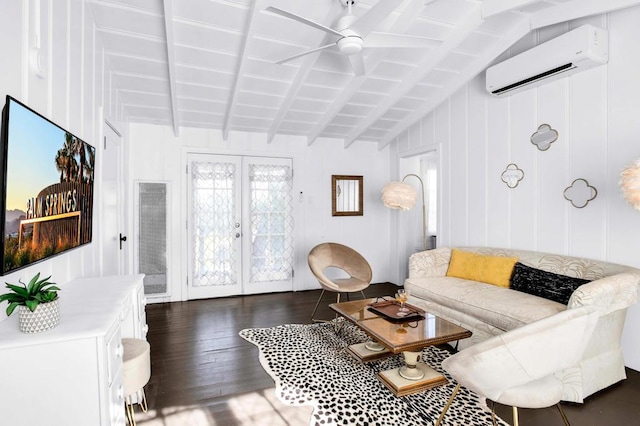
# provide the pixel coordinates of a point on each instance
(512, 175)
(544, 137)
(579, 193)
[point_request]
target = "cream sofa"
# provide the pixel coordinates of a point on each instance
(489, 310)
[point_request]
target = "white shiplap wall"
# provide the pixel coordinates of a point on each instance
(156, 154)
(596, 115)
(73, 85)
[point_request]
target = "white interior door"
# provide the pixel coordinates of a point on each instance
(240, 225)
(113, 249)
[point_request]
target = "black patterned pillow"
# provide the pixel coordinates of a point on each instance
(544, 284)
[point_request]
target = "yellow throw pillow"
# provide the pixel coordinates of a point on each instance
(494, 270)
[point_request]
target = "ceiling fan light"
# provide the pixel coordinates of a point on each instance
(350, 45)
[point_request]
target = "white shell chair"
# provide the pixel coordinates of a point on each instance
(339, 256)
(517, 368)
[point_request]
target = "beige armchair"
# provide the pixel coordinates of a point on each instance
(517, 368)
(336, 255)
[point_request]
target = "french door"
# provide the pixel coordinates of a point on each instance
(240, 225)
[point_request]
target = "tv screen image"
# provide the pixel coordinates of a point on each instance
(47, 188)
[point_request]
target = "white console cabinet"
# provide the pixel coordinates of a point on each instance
(72, 375)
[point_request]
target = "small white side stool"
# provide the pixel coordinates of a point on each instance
(136, 371)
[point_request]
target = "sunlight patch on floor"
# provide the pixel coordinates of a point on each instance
(255, 409)
(264, 408)
(175, 416)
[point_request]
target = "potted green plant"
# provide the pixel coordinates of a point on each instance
(37, 304)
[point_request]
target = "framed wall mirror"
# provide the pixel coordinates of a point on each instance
(346, 195)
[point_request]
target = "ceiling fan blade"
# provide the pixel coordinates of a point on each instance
(377, 39)
(367, 22)
(302, 20)
(307, 52)
(357, 63)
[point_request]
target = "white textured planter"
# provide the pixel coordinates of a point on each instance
(45, 317)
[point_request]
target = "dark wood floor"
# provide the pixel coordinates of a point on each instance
(203, 373)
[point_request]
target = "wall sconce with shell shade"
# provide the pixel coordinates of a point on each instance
(630, 184)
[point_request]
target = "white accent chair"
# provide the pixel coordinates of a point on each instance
(517, 368)
(339, 256)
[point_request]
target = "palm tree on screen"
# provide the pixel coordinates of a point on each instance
(65, 160)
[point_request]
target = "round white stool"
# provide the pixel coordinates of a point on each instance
(136, 371)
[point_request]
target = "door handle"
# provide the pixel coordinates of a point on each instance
(123, 238)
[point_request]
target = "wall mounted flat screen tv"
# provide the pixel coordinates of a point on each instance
(47, 175)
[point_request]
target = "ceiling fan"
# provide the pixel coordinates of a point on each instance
(356, 33)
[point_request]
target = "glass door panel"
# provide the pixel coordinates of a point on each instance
(269, 248)
(214, 226)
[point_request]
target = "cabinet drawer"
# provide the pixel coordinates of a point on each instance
(117, 416)
(127, 306)
(114, 354)
(142, 315)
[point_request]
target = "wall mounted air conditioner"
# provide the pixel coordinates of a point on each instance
(580, 49)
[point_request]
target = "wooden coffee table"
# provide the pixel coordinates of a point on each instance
(408, 338)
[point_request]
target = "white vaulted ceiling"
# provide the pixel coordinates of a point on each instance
(210, 63)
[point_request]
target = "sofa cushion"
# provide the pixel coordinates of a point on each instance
(544, 284)
(494, 270)
(500, 307)
(432, 263)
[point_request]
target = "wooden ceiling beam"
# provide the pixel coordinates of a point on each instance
(408, 15)
(466, 26)
(242, 60)
(519, 30)
(302, 74)
(168, 27)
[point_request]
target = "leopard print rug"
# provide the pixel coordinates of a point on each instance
(310, 366)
